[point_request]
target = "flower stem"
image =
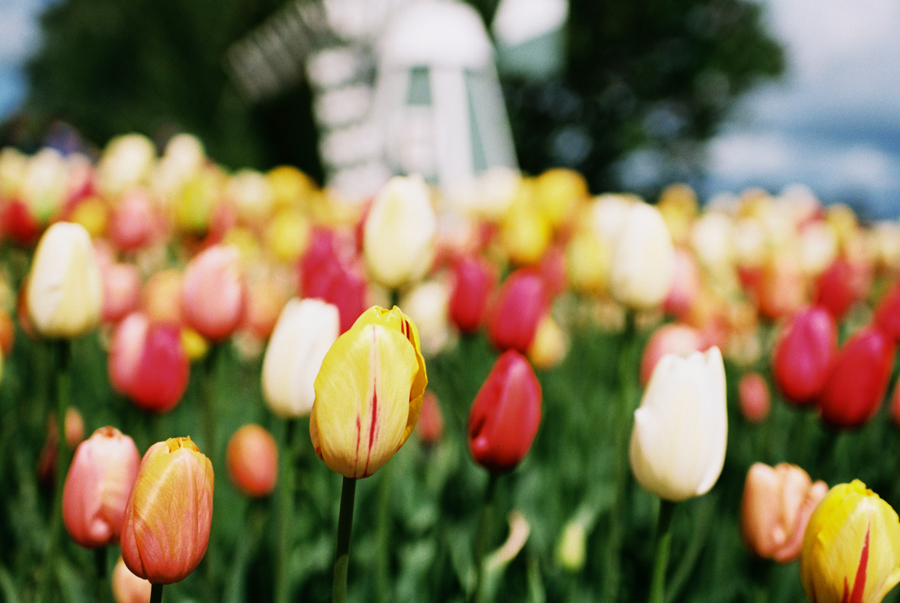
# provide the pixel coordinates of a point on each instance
(484, 529)
(342, 552)
(207, 399)
(383, 559)
(100, 565)
(156, 593)
(285, 513)
(662, 544)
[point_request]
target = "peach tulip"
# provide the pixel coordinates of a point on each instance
(252, 460)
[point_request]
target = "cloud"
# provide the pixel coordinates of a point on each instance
(19, 31)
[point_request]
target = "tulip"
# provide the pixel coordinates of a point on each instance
(803, 354)
(399, 232)
(681, 428)
(305, 331)
(505, 415)
(74, 429)
(134, 222)
(754, 399)
(147, 362)
(643, 259)
(169, 512)
(252, 460)
(97, 487)
(835, 290)
(64, 297)
(775, 509)
(858, 379)
(587, 263)
(887, 313)
(128, 588)
(525, 234)
(213, 293)
(368, 393)
(430, 426)
(474, 279)
(670, 338)
(161, 296)
(550, 344)
(426, 305)
(851, 548)
(121, 291)
(329, 271)
(517, 310)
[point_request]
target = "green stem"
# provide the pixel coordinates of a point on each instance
(383, 558)
(661, 551)
(156, 593)
(62, 386)
(257, 514)
(100, 565)
(342, 552)
(207, 389)
(285, 513)
(627, 370)
(484, 529)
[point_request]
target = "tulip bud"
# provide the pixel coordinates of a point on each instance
(775, 509)
(517, 310)
(213, 292)
(169, 512)
(252, 460)
(474, 281)
(550, 344)
(121, 291)
(329, 271)
(128, 588)
(65, 288)
(755, 401)
(851, 548)
(643, 260)
(161, 296)
(147, 363)
(505, 415)
(681, 428)
(670, 338)
(305, 331)
(570, 551)
(97, 487)
(858, 379)
(399, 233)
(835, 289)
(803, 354)
(431, 421)
(887, 313)
(368, 393)
(587, 263)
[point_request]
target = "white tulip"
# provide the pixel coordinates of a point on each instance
(681, 428)
(643, 262)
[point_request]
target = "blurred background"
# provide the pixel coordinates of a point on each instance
(723, 94)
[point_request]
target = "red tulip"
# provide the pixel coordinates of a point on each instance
(97, 487)
(505, 415)
(858, 380)
(330, 270)
(835, 290)
(517, 310)
(887, 314)
(474, 279)
(147, 362)
(803, 354)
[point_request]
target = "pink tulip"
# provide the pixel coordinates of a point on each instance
(517, 310)
(753, 397)
(474, 279)
(801, 360)
(121, 291)
(330, 270)
(213, 295)
(97, 487)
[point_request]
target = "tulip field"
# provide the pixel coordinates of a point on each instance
(235, 386)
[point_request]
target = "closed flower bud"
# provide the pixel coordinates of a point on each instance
(305, 331)
(550, 344)
(426, 305)
(505, 415)
(474, 279)
(399, 233)
(887, 313)
(97, 487)
(330, 270)
(147, 363)
(128, 588)
(431, 421)
(65, 288)
(252, 460)
(858, 379)
(517, 310)
(121, 291)
(851, 548)
(368, 393)
(213, 293)
(169, 512)
(643, 259)
(670, 338)
(572, 545)
(754, 399)
(803, 354)
(681, 428)
(775, 509)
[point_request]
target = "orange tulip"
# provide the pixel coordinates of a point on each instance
(252, 460)
(169, 512)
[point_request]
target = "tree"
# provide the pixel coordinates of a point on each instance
(651, 74)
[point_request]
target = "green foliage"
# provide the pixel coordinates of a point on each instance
(652, 74)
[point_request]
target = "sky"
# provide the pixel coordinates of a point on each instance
(832, 123)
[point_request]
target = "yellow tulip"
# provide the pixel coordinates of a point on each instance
(851, 548)
(368, 393)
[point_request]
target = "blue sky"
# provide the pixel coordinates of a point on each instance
(833, 123)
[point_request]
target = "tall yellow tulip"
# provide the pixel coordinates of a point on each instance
(851, 548)
(368, 393)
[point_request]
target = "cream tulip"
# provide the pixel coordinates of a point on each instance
(399, 234)
(304, 333)
(64, 298)
(681, 428)
(643, 261)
